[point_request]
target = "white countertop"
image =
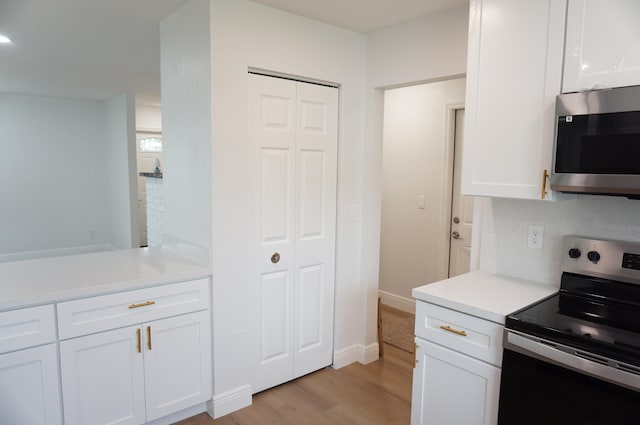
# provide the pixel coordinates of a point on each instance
(45, 280)
(483, 294)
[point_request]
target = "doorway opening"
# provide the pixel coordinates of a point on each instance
(425, 222)
(149, 167)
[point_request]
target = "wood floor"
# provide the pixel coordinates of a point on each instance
(375, 394)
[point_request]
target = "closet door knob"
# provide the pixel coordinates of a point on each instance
(275, 257)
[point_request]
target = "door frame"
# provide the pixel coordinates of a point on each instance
(141, 134)
(444, 219)
(450, 137)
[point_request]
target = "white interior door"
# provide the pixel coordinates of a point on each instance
(293, 136)
(461, 209)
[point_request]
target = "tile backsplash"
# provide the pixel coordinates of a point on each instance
(505, 222)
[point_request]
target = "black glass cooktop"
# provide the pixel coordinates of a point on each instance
(595, 315)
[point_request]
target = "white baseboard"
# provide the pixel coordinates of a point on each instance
(229, 401)
(396, 301)
(178, 416)
(355, 353)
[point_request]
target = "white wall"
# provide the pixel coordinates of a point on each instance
(52, 188)
(66, 176)
(148, 118)
(416, 161)
(429, 49)
(120, 172)
(186, 126)
(247, 34)
(503, 245)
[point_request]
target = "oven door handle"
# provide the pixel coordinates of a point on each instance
(570, 358)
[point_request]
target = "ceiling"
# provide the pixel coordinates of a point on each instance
(363, 16)
(97, 49)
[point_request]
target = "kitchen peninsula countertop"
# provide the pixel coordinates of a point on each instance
(154, 175)
(483, 294)
(52, 279)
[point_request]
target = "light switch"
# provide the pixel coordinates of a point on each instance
(354, 212)
(421, 201)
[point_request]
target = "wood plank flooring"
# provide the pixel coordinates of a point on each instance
(375, 394)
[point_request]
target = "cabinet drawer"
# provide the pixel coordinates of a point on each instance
(96, 314)
(470, 335)
(26, 327)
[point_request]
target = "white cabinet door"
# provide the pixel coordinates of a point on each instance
(103, 378)
(29, 391)
(293, 136)
(514, 71)
(451, 388)
(603, 45)
(177, 363)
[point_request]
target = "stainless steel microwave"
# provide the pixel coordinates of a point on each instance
(597, 142)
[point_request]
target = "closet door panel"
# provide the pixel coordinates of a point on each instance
(293, 145)
(272, 147)
(316, 174)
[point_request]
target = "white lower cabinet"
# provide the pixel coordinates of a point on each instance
(452, 388)
(456, 379)
(138, 373)
(103, 378)
(29, 390)
(177, 363)
(29, 386)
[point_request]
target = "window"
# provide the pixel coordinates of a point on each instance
(150, 144)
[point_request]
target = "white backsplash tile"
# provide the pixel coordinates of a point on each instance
(505, 222)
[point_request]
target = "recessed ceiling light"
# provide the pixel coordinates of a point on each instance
(4, 39)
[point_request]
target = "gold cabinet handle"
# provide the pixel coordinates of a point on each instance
(450, 329)
(139, 342)
(415, 354)
(545, 176)
(142, 304)
(149, 337)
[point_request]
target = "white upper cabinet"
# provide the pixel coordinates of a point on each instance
(603, 44)
(514, 72)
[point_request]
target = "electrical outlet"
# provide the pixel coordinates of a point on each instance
(535, 238)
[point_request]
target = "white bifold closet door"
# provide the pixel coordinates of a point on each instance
(293, 133)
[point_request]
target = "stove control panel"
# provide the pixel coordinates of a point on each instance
(593, 256)
(631, 261)
(602, 258)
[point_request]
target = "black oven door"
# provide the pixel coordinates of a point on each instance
(543, 385)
